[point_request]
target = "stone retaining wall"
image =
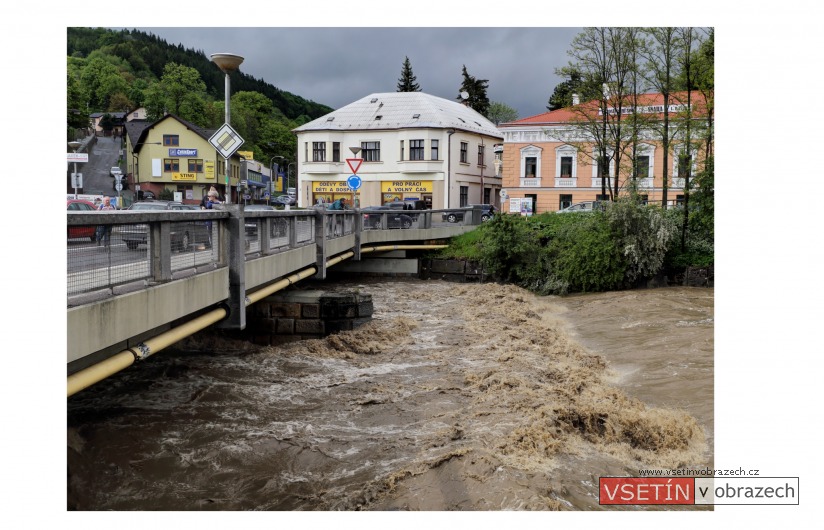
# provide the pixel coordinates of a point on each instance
(453, 270)
(298, 315)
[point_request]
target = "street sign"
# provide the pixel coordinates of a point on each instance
(77, 157)
(354, 182)
(77, 180)
(118, 186)
(226, 140)
(354, 164)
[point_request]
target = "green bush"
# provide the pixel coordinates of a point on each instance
(580, 252)
(642, 234)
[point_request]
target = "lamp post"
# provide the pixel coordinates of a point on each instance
(289, 175)
(74, 145)
(228, 63)
(274, 174)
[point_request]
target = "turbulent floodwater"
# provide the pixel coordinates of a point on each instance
(455, 397)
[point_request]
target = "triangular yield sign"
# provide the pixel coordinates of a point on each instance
(354, 164)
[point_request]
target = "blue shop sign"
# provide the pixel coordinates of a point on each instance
(182, 152)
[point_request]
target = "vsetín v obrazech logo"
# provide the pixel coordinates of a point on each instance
(694, 490)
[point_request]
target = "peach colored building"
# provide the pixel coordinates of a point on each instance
(548, 161)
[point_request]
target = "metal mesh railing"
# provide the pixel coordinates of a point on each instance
(107, 255)
(102, 259)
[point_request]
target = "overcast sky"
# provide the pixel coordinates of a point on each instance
(336, 66)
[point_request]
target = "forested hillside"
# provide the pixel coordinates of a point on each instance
(117, 71)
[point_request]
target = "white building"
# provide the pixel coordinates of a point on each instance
(413, 146)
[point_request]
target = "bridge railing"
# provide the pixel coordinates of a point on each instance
(112, 253)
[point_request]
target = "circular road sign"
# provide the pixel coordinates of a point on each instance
(118, 186)
(354, 182)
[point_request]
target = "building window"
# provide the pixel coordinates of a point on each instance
(195, 165)
(566, 201)
(434, 145)
(481, 155)
(486, 195)
(402, 151)
(530, 166)
(602, 198)
(371, 151)
(318, 151)
(464, 152)
(464, 196)
(642, 167)
(679, 201)
(566, 167)
(644, 199)
(683, 165)
(171, 139)
(335, 151)
(171, 165)
(416, 148)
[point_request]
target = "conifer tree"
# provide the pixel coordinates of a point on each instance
(476, 89)
(407, 81)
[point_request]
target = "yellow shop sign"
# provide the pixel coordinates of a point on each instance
(184, 176)
(406, 186)
(209, 169)
(330, 187)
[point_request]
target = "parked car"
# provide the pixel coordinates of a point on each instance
(291, 200)
(456, 216)
(182, 234)
(80, 205)
(251, 225)
(586, 206)
(373, 215)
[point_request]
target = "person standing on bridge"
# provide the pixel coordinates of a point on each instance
(208, 203)
(104, 232)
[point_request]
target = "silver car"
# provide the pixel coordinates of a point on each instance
(586, 206)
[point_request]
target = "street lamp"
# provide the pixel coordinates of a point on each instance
(274, 174)
(228, 63)
(74, 145)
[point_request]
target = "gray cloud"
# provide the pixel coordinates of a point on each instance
(335, 66)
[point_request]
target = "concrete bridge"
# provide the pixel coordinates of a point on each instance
(159, 276)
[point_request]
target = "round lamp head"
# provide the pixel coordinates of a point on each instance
(227, 62)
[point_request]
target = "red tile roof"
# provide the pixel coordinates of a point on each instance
(644, 100)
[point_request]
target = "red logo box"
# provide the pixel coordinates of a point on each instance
(636, 490)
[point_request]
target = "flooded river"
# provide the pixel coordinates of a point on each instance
(455, 397)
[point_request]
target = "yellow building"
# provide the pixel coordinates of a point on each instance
(174, 154)
(549, 161)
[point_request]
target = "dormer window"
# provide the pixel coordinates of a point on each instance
(331, 118)
(374, 100)
(378, 117)
(416, 116)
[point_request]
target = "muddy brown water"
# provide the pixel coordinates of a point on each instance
(455, 397)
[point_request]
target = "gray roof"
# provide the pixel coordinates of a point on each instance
(402, 110)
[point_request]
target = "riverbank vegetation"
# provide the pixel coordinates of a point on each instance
(603, 250)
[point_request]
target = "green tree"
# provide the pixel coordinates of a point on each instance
(476, 91)
(407, 81)
(501, 113)
(184, 91)
(574, 84)
(660, 49)
(101, 80)
(77, 115)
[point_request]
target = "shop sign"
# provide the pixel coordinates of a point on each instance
(182, 152)
(184, 176)
(209, 169)
(406, 186)
(330, 187)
